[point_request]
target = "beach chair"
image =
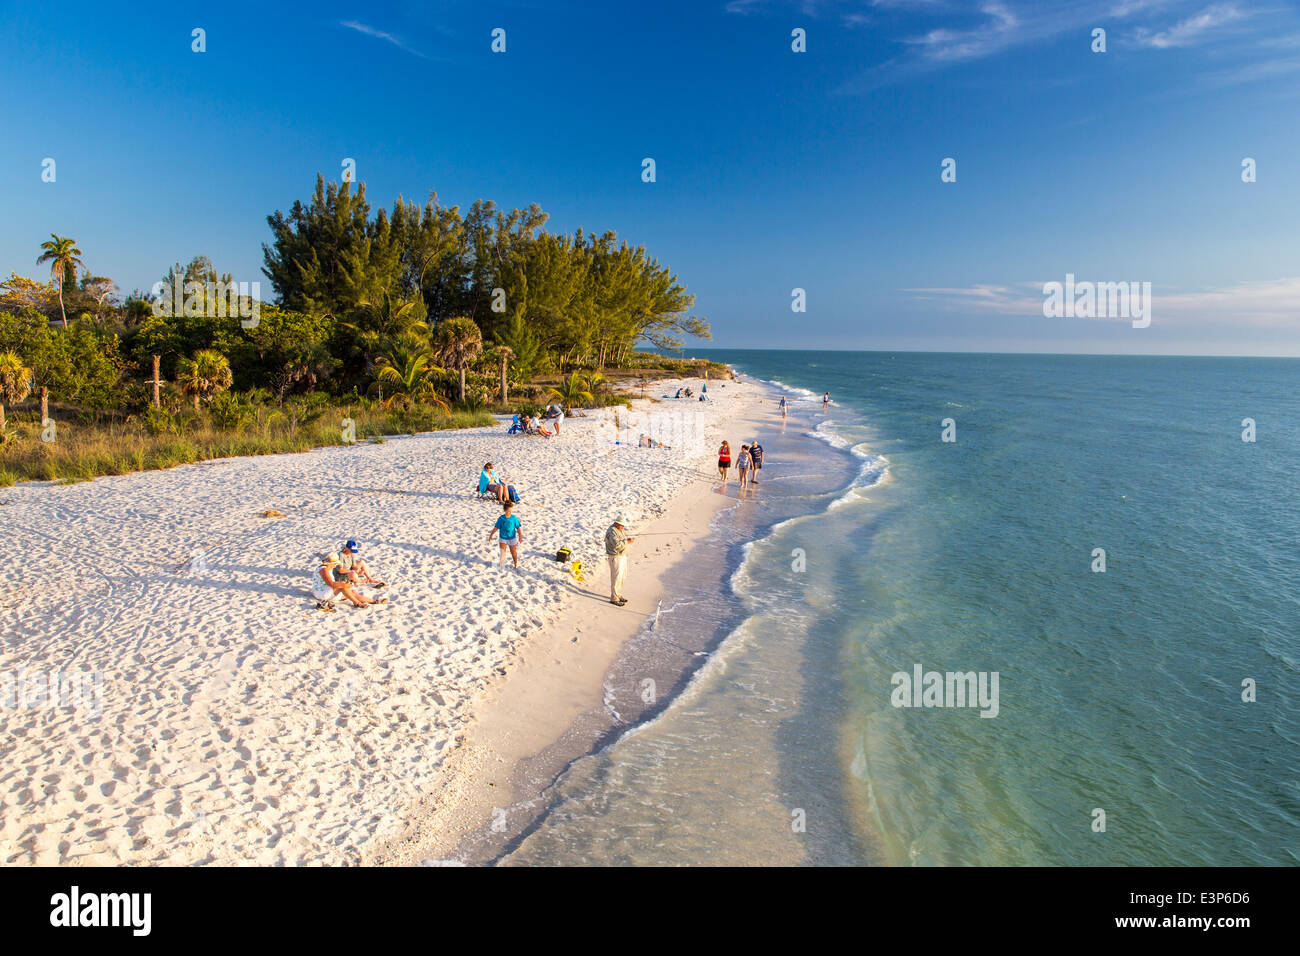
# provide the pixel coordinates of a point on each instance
(515, 427)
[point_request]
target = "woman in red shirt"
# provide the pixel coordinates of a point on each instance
(724, 461)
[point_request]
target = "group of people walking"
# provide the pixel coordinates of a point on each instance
(748, 463)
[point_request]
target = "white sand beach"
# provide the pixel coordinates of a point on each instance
(235, 723)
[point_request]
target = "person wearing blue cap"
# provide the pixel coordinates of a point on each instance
(352, 568)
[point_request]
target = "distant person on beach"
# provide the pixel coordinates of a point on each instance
(534, 426)
(743, 464)
(352, 569)
(756, 454)
(724, 461)
(511, 529)
(616, 542)
(783, 404)
(554, 413)
(826, 401)
(489, 482)
(326, 586)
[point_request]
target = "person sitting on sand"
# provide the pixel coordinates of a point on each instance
(510, 528)
(543, 430)
(647, 442)
(491, 483)
(352, 569)
(326, 587)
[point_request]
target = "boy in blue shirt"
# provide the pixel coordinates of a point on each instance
(510, 527)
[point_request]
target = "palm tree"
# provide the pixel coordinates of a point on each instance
(64, 258)
(405, 367)
(458, 341)
(204, 375)
(384, 320)
(505, 353)
(572, 391)
(15, 382)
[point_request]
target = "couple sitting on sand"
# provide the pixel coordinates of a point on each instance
(537, 426)
(339, 574)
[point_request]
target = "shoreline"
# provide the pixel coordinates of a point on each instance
(553, 706)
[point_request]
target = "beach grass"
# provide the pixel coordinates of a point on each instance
(86, 449)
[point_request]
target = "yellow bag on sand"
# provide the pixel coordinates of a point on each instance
(577, 570)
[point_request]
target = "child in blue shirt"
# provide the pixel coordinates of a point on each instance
(510, 527)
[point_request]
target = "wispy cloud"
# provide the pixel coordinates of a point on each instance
(1128, 7)
(987, 298)
(998, 32)
(378, 34)
(1261, 304)
(934, 35)
(1189, 31)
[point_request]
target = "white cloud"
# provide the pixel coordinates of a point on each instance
(1187, 31)
(952, 45)
(1258, 304)
(380, 35)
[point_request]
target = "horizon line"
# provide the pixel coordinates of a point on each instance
(916, 351)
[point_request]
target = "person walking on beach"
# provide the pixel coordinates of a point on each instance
(783, 404)
(511, 529)
(616, 542)
(724, 461)
(756, 455)
(743, 464)
(826, 401)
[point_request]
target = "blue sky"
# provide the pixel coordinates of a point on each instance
(775, 169)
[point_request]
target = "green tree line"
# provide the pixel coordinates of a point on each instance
(417, 305)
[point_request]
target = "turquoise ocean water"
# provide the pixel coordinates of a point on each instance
(873, 546)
